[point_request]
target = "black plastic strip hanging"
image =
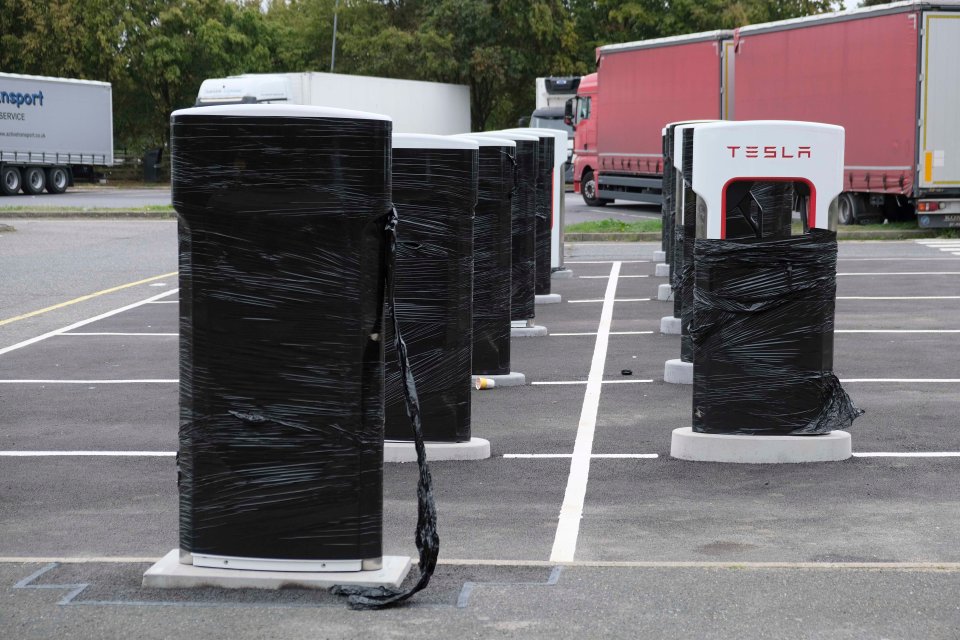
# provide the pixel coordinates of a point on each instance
(427, 539)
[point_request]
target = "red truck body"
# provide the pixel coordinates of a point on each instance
(890, 75)
(642, 86)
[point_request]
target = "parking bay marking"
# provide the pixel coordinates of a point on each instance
(617, 300)
(110, 333)
(901, 273)
(93, 382)
(85, 298)
(82, 323)
(571, 511)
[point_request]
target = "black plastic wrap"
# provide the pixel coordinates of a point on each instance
(281, 304)
(684, 291)
(667, 204)
(545, 166)
(523, 268)
(763, 335)
(491, 261)
(434, 192)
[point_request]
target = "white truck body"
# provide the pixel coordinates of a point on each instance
(413, 105)
(55, 121)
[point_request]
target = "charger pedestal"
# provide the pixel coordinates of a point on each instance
(670, 326)
(402, 451)
(512, 379)
(685, 444)
(678, 372)
(169, 573)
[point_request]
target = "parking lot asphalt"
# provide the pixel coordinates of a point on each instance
(866, 548)
(93, 197)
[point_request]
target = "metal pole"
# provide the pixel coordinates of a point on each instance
(333, 49)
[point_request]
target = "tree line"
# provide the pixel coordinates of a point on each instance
(157, 52)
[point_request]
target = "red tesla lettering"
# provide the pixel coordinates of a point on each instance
(733, 151)
(753, 152)
(784, 154)
(769, 152)
(803, 152)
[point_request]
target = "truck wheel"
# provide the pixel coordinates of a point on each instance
(589, 190)
(34, 180)
(57, 180)
(850, 208)
(10, 181)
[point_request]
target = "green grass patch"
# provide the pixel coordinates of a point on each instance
(614, 226)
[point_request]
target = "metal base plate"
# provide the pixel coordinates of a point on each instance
(168, 573)
(713, 447)
(664, 293)
(547, 298)
(562, 274)
(662, 270)
(475, 449)
(659, 256)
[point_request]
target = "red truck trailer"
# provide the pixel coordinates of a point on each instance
(890, 75)
(640, 87)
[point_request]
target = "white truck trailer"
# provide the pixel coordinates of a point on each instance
(415, 106)
(51, 130)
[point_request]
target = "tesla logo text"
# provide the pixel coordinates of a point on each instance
(769, 152)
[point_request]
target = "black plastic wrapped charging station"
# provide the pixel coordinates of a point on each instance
(683, 291)
(435, 193)
(544, 208)
(491, 260)
(523, 268)
(763, 336)
(281, 236)
(666, 207)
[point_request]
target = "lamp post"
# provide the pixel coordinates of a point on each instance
(333, 49)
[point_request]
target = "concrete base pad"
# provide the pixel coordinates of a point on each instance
(665, 293)
(562, 274)
(476, 449)
(536, 331)
(662, 270)
(670, 325)
(659, 256)
(548, 298)
(168, 573)
(713, 447)
(512, 379)
(678, 372)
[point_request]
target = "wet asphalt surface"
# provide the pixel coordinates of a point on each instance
(666, 548)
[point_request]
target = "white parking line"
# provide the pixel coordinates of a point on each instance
(82, 323)
(82, 333)
(617, 300)
(164, 302)
(595, 456)
(571, 511)
(896, 330)
(898, 380)
(902, 273)
(612, 333)
(932, 258)
(144, 381)
(898, 297)
(908, 454)
(603, 261)
(605, 277)
(566, 382)
(98, 454)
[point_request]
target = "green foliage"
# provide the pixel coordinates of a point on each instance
(157, 52)
(611, 225)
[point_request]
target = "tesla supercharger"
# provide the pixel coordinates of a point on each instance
(761, 371)
(557, 201)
